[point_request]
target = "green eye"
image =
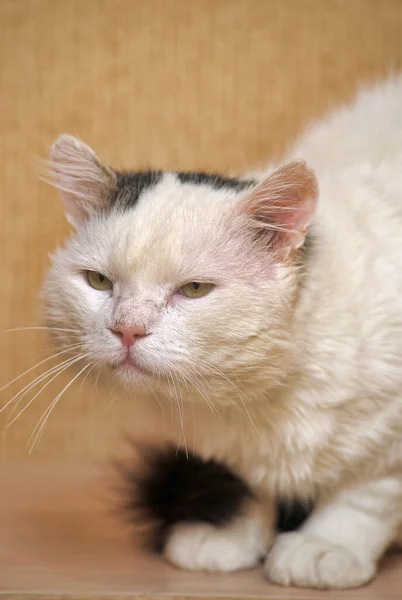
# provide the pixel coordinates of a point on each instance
(196, 289)
(98, 281)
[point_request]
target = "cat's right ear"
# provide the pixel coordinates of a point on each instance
(279, 209)
(84, 183)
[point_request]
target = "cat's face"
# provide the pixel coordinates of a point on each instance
(174, 281)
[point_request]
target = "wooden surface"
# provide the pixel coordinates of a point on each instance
(215, 84)
(59, 539)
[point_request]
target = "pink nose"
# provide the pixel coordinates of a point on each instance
(127, 335)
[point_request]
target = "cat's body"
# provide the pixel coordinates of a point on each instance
(298, 346)
(346, 330)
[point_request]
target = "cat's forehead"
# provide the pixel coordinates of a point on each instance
(162, 222)
(174, 190)
(158, 207)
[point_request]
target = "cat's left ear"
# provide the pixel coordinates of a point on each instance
(280, 208)
(83, 181)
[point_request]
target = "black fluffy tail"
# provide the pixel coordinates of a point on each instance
(168, 487)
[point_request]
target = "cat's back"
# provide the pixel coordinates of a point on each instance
(366, 131)
(354, 289)
(356, 153)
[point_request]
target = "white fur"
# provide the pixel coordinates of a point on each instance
(200, 546)
(339, 546)
(306, 561)
(305, 372)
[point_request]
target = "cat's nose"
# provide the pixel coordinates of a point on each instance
(128, 335)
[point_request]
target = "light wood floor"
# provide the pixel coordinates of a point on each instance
(59, 538)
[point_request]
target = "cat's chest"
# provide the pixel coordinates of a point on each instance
(287, 458)
(294, 458)
(309, 449)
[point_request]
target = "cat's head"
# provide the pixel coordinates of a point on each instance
(178, 280)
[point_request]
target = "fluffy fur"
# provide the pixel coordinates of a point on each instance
(167, 492)
(299, 351)
(168, 486)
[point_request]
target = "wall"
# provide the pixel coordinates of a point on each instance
(202, 84)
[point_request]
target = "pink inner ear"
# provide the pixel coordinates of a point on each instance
(282, 205)
(83, 181)
(76, 212)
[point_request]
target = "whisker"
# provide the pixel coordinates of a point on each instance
(94, 389)
(64, 368)
(180, 417)
(96, 383)
(38, 365)
(156, 398)
(41, 329)
(27, 388)
(42, 421)
(201, 390)
(48, 351)
(109, 406)
(236, 389)
(215, 371)
(192, 411)
(193, 378)
(112, 391)
(219, 373)
(180, 400)
(18, 397)
(86, 377)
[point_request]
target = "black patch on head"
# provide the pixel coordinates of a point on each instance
(218, 182)
(131, 185)
(291, 515)
(170, 487)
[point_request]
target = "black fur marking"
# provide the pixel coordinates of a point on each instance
(131, 185)
(290, 515)
(168, 487)
(215, 181)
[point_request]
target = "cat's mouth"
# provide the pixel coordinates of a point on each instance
(130, 365)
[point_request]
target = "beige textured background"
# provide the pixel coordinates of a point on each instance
(190, 84)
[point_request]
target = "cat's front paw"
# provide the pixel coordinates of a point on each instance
(201, 546)
(303, 561)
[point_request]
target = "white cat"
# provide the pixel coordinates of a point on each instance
(207, 289)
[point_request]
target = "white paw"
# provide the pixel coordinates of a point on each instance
(303, 561)
(200, 546)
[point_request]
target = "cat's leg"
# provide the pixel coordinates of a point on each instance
(340, 544)
(240, 544)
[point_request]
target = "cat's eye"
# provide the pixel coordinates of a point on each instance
(98, 281)
(196, 289)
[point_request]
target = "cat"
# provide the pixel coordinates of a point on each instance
(272, 302)
(166, 486)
